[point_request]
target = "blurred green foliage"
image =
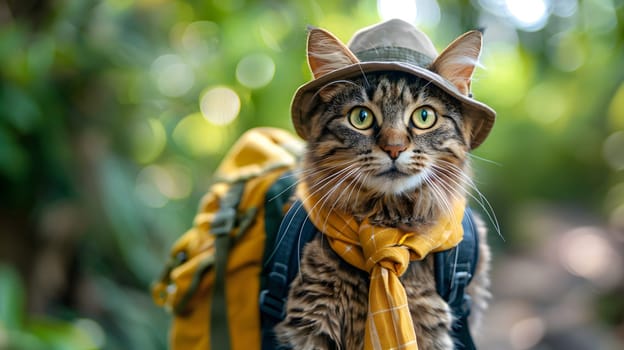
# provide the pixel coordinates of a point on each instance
(19, 331)
(114, 113)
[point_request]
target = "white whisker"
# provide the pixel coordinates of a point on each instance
(299, 174)
(327, 181)
(467, 181)
(484, 159)
(438, 195)
(339, 184)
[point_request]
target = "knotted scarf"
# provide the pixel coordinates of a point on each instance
(385, 253)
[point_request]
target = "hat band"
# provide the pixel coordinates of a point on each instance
(394, 54)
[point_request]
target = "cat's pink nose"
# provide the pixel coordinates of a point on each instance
(394, 150)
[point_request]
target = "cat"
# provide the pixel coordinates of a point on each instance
(391, 147)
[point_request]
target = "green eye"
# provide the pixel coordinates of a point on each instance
(361, 118)
(424, 117)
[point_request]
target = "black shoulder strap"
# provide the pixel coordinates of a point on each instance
(281, 267)
(454, 269)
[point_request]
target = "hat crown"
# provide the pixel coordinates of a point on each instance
(393, 40)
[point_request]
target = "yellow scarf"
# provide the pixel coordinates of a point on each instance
(384, 253)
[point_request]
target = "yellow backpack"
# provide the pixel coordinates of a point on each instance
(226, 246)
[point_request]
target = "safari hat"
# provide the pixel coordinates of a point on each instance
(392, 45)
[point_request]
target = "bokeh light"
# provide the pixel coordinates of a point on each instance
(198, 42)
(255, 71)
(614, 202)
(526, 333)
(148, 139)
(564, 8)
(200, 34)
(427, 13)
(157, 184)
(198, 137)
(176, 182)
(613, 150)
(402, 9)
(173, 76)
(274, 26)
(616, 220)
(146, 188)
(616, 109)
(93, 330)
(567, 51)
(585, 252)
(220, 105)
(420, 12)
(530, 15)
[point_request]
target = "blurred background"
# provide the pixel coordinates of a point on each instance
(114, 113)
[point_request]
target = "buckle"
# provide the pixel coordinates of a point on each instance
(462, 278)
(277, 285)
(223, 221)
(458, 283)
(272, 306)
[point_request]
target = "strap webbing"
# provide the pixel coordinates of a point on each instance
(275, 201)
(282, 266)
(454, 270)
(222, 225)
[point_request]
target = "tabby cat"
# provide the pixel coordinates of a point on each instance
(387, 144)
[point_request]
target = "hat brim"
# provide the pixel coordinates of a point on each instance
(306, 96)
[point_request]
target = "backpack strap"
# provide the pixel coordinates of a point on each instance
(277, 198)
(454, 269)
(281, 267)
(225, 220)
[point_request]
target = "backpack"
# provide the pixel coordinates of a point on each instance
(227, 278)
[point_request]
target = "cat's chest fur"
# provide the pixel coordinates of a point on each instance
(328, 303)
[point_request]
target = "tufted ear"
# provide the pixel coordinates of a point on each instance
(326, 53)
(458, 61)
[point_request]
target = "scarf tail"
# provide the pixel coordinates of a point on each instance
(389, 323)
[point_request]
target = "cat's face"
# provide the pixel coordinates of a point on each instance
(388, 138)
(394, 129)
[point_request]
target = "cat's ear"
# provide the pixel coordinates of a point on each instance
(326, 53)
(458, 61)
